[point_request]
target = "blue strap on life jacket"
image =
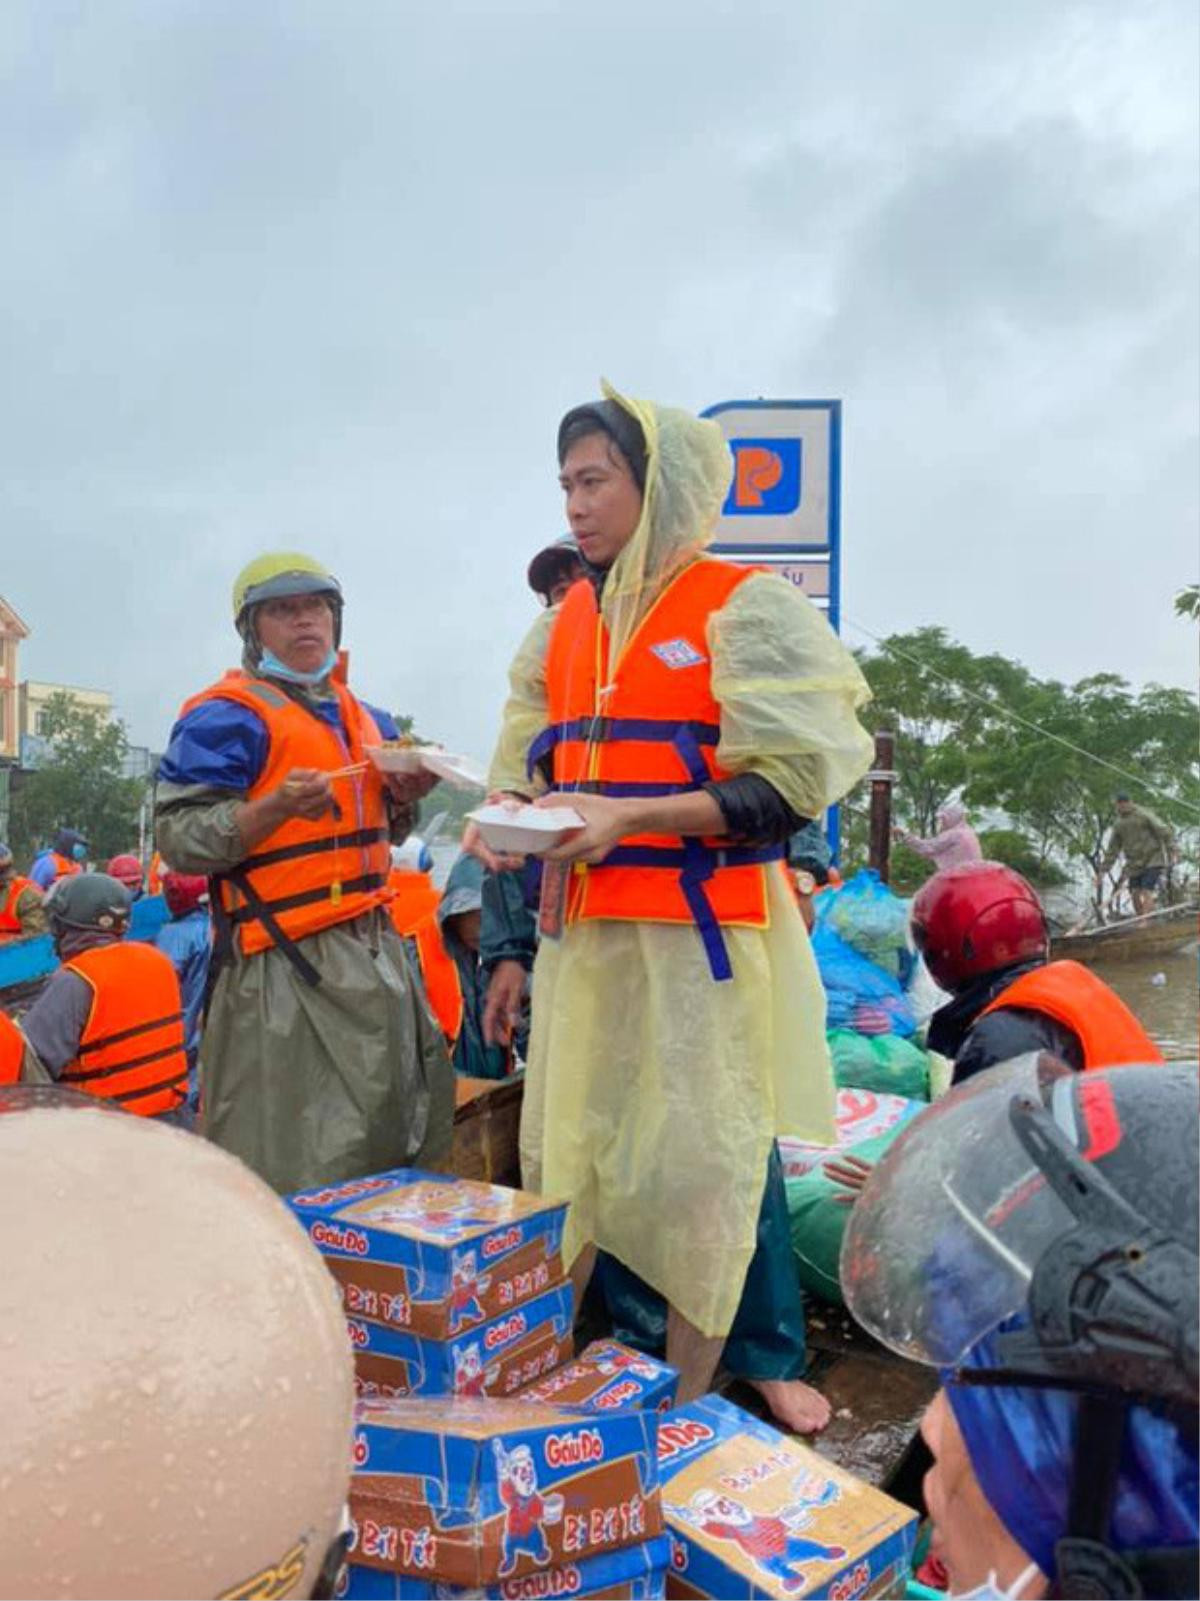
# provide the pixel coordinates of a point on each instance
(694, 861)
(604, 730)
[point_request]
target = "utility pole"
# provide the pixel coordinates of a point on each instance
(882, 776)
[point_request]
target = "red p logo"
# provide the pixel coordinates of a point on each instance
(758, 470)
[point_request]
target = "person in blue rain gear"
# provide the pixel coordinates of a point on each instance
(63, 858)
(187, 940)
(460, 917)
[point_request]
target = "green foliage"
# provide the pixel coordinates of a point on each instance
(1187, 602)
(79, 785)
(951, 713)
(1014, 849)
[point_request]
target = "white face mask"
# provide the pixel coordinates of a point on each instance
(990, 1589)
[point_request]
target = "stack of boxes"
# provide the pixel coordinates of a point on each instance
(451, 1287)
(488, 1463)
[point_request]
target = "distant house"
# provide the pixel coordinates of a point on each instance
(12, 632)
(34, 698)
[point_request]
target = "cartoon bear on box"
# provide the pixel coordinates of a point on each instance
(770, 1540)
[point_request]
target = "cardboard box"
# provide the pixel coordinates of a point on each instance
(430, 1254)
(478, 1492)
(754, 1513)
(638, 1573)
(860, 1115)
(608, 1377)
(496, 1358)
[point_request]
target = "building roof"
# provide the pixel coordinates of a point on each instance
(11, 621)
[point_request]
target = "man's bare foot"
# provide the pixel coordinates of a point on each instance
(796, 1405)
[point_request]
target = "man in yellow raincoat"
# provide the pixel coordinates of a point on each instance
(320, 1060)
(694, 713)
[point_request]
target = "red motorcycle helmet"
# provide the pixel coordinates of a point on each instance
(184, 892)
(974, 919)
(126, 870)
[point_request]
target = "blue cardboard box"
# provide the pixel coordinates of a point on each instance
(607, 1377)
(479, 1492)
(433, 1255)
(495, 1358)
(638, 1572)
(752, 1512)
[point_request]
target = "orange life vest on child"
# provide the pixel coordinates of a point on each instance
(131, 1049)
(413, 910)
(10, 923)
(1071, 994)
(12, 1050)
(307, 875)
(649, 725)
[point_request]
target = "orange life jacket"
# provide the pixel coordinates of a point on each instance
(1071, 994)
(307, 875)
(155, 875)
(12, 1050)
(649, 725)
(413, 909)
(64, 867)
(131, 1049)
(10, 923)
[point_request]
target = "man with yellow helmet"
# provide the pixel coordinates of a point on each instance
(320, 1060)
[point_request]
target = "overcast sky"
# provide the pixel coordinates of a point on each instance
(325, 275)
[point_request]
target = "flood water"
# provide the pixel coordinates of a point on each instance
(1167, 1011)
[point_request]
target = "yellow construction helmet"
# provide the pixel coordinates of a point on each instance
(277, 574)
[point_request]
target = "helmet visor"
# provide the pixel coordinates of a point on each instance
(942, 1243)
(284, 585)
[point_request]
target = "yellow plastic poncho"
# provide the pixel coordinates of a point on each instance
(654, 1093)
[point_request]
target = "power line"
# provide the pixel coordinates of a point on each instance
(1016, 717)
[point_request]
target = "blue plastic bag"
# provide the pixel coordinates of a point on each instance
(859, 995)
(866, 915)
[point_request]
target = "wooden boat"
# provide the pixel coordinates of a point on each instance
(1156, 934)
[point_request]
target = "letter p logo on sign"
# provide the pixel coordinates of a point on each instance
(766, 478)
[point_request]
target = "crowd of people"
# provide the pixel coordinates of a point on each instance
(312, 995)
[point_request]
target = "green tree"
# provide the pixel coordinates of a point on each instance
(79, 785)
(1049, 756)
(1187, 602)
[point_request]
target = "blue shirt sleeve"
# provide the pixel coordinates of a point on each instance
(385, 721)
(219, 744)
(42, 872)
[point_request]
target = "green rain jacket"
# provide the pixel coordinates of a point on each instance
(307, 1085)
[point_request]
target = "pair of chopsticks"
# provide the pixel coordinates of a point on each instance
(348, 772)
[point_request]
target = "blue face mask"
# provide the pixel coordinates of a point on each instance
(79, 852)
(270, 663)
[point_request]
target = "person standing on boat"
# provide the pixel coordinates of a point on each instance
(320, 1060)
(695, 713)
(1146, 843)
(954, 843)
